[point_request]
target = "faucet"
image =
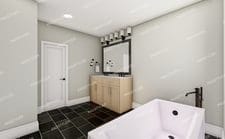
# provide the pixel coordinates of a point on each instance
(198, 96)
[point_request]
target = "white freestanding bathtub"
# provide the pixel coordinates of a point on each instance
(157, 119)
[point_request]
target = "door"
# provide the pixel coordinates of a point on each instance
(54, 73)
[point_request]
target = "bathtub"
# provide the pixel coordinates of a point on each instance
(158, 119)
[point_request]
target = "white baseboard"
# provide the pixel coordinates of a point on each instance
(40, 109)
(78, 101)
(209, 129)
(69, 103)
(19, 131)
(223, 135)
(214, 130)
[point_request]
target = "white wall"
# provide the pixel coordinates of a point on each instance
(82, 48)
(175, 53)
(223, 65)
(18, 63)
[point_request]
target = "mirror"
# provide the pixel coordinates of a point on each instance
(117, 58)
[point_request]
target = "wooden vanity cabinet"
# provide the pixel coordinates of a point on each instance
(114, 93)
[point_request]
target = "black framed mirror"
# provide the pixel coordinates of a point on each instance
(116, 58)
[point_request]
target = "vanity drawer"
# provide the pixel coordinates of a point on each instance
(115, 82)
(111, 81)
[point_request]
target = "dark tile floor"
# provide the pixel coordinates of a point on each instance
(73, 122)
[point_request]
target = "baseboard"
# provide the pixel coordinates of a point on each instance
(69, 103)
(214, 130)
(19, 131)
(223, 135)
(40, 109)
(135, 105)
(209, 129)
(78, 101)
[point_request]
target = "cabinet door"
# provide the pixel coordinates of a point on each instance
(106, 97)
(115, 98)
(94, 89)
(99, 94)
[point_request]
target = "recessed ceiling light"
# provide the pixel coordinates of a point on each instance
(67, 16)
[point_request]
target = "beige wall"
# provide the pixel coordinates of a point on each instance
(82, 48)
(18, 62)
(175, 53)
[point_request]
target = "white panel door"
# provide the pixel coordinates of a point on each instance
(54, 75)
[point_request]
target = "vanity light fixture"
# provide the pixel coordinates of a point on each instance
(122, 34)
(116, 35)
(68, 16)
(111, 37)
(107, 39)
(102, 39)
(128, 31)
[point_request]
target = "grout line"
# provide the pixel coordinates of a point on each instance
(68, 128)
(107, 113)
(40, 132)
(57, 127)
(75, 126)
(84, 118)
(45, 122)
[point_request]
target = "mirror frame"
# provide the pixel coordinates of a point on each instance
(129, 51)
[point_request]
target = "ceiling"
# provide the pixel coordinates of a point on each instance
(101, 17)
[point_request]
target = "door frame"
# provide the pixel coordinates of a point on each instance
(42, 73)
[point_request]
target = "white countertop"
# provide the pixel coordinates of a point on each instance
(113, 76)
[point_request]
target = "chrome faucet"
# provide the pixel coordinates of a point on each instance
(198, 96)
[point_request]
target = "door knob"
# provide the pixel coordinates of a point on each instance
(63, 79)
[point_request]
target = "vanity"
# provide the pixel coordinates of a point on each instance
(114, 93)
(114, 89)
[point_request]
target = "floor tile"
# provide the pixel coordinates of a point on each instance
(207, 136)
(43, 114)
(71, 115)
(104, 109)
(74, 107)
(58, 118)
(79, 121)
(87, 115)
(89, 106)
(55, 134)
(109, 119)
(65, 110)
(112, 113)
(44, 119)
(86, 128)
(54, 112)
(46, 127)
(79, 110)
(102, 115)
(72, 133)
(65, 124)
(35, 135)
(96, 121)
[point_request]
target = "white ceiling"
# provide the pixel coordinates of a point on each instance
(101, 17)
